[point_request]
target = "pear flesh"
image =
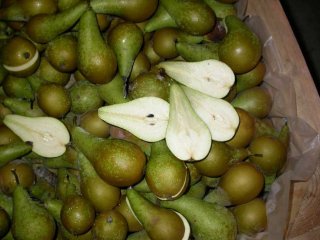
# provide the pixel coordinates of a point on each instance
(211, 77)
(48, 135)
(146, 117)
(219, 115)
(187, 136)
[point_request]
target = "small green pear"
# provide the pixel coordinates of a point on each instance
(17, 87)
(196, 52)
(126, 40)
(118, 162)
(30, 219)
(96, 60)
(23, 107)
(221, 9)
(208, 221)
(159, 223)
(14, 150)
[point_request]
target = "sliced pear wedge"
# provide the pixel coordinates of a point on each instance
(219, 115)
(146, 117)
(187, 136)
(48, 135)
(211, 77)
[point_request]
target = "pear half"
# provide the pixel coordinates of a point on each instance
(48, 135)
(220, 116)
(145, 117)
(211, 77)
(187, 136)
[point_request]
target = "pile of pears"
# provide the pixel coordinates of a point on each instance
(134, 119)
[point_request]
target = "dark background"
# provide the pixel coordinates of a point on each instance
(304, 17)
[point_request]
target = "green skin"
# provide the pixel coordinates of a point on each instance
(126, 40)
(96, 60)
(140, 235)
(44, 28)
(17, 87)
(221, 9)
(6, 203)
(193, 17)
(30, 221)
(193, 52)
(208, 221)
(23, 107)
(13, 151)
(241, 48)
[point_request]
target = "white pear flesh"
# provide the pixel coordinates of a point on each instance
(145, 117)
(48, 135)
(211, 77)
(187, 136)
(220, 116)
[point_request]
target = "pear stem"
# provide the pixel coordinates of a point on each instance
(15, 176)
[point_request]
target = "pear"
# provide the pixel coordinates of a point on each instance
(6, 203)
(130, 10)
(221, 9)
(187, 136)
(166, 176)
(160, 19)
(193, 17)
(145, 117)
(219, 159)
(256, 100)
(211, 77)
(17, 87)
(67, 184)
(208, 221)
(197, 190)
(42, 190)
(196, 52)
(48, 135)
(43, 28)
(219, 115)
(217, 196)
(30, 219)
(140, 235)
(118, 162)
(112, 92)
(241, 48)
(252, 78)
(5, 222)
(126, 40)
(23, 107)
(96, 60)
(102, 195)
(14, 150)
(159, 223)
(141, 65)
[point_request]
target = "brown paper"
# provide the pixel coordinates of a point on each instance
(304, 150)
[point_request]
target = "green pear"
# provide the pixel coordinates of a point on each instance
(208, 221)
(67, 160)
(187, 136)
(42, 190)
(221, 9)
(160, 19)
(112, 92)
(67, 184)
(196, 52)
(194, 17)
(211, 77)
(6, 203)
(256, 100)
(65, 4)
(96, 60)
(159, 223)
(30, 219)
(252, 78)
(145, 117)
(141, 65)
(217, 196)
(17, 87)
(197, 190)
(219, 115)
(43, 28)
(48, 135)
(140, 235)
(130, 10)
(166, 176)
(14, 150)
(241, 48)
(102, 195)
(126, 40)
(118, 162)
(219, 159)
(5, 223)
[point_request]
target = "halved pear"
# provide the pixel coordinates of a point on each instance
(49, 136)
(211, 77)
(146, 117)
(219, 115)
(188, 137)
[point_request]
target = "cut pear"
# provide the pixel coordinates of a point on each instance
(187, 136)
(146, 117)
(219, 115)
(211, 77)
(48, 135)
